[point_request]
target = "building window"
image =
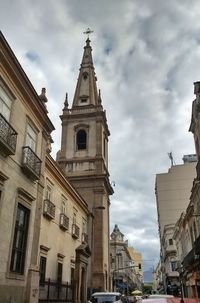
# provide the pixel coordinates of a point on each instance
(72, 275)
(48, 190)
(63, 205)
(191, 235)
(5, 103)
(59, 273)
(75, 211)
(170, 241)
(43, 262)
(84, 226)
(31, 137)
(20, 238)
(173, 265)
(81, 139)
(195, 230)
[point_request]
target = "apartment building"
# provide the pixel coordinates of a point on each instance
(25, 131)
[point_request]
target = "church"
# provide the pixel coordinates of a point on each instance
(54, 214)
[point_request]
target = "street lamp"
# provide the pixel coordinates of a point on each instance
(100, 207)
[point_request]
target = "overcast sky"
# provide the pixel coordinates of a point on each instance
(146, 55)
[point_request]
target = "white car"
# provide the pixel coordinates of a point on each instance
(105, 297)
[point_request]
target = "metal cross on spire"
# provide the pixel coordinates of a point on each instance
(88, 32)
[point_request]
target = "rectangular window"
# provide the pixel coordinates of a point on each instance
(43, 262)
(63, 205)
(84, 226)
(173, 265)
(59, 273)
(170, 241)
(19, 241)
(74, 215)
(31, 137)
(48, 193)
(191, 236)
(72, 275)
(5, 104)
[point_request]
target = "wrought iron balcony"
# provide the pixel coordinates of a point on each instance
(49, 209)
(64, 222)
(31, 164)
(75, 231)
(84, 238)
(8, 137)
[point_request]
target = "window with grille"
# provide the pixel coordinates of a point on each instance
(19, 241)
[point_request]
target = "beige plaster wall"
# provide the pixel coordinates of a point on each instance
(173, 191)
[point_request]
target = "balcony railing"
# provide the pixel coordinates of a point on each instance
(31, 164)
(49, 209)
(64, 222)
(8, 137)
(84, 238)
(75, 231)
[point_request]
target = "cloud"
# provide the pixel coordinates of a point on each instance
(146, 56)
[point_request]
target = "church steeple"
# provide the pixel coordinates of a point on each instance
(83, 156)
(86, 88)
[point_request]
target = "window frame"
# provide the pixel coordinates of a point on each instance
(19, 269)
(43, 270)
(10, 96)
(77, 129)
(81, 143)
(30, 123)
(59, 272)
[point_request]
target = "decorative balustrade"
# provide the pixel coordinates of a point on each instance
(64, 222)
(84, 238)
(75, 231)
(31, 164)
(49, 209)
(8, 137)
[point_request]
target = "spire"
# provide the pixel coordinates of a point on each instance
(66, 104)
(86, 90)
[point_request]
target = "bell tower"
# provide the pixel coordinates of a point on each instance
(84, 159)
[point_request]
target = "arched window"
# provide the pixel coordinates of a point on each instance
(81, 139)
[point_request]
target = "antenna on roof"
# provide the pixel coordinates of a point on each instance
(170, 155)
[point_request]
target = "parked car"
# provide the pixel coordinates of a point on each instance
(106, 297)
(160, 296)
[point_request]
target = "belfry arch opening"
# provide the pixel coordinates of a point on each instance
(81, 139)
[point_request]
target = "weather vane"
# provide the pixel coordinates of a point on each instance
(88, 32)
